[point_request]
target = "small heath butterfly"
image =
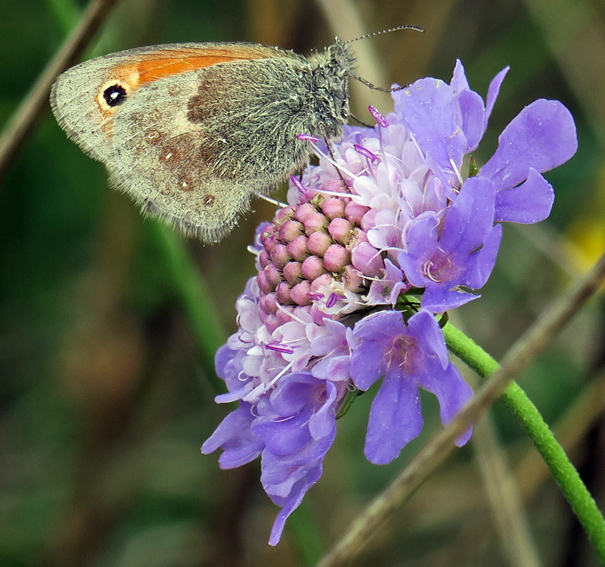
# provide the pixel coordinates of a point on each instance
(193, 131)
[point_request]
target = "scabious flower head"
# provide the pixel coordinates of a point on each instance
(378, 239)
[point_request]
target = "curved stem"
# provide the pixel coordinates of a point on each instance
(565, 474)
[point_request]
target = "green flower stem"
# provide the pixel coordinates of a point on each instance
(565, 474)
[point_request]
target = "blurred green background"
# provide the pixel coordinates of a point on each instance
(106, 377)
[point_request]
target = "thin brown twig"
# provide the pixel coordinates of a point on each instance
(436, 451)
(24, 120)
(504, 497)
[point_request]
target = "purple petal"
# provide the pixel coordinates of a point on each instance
(541, 136)
(465, 253)
(298, 412)
(473, 118)
(452, 392)
(366, 364)
(290, 504)
(527, 203)
(239, 394)
(493, 91)
(367, 358)
(228, 366)
(335, 368)
(421, 245)
(283, 437)
(286, 479)
(429, 108)
(388, 287)
(280, 473)
(235, 437)
(482, 262)
(323, 422)
(395, 419)
(459, 81)
(221, 359)
(470, 218)
(381, 325)
(425, 328)
(438, 299)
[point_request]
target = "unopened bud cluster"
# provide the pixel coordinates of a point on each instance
(307, 250)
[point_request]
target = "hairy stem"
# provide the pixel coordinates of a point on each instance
(565, 474)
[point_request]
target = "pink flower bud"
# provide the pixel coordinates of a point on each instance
(273, 275)
(333, 207)
(290, 230)
(369, 220)
(268, 304)
(352, 279)
(298, 248)
(367, 259)
(321, 281)
(312, 267)
(267, 237)
(355, 212)
(280, 255)
(303, 211)
(263, 258)
(263, 284)
(283, 213)
(282, 317)
(270, 322)
(356, 237)
(340, 230)
(334, 185)
(318, 243)
(293, 272)
(300, 293)
(283, 294)
(336, 258)
(315, 222)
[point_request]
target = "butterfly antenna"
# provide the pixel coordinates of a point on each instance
(382, 32)
(373, 34)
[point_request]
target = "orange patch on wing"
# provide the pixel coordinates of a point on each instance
(172, 62)
(155, 69)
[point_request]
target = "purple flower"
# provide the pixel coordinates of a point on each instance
(297, 424)
(386, 221)
(409, 356)
(294, 428)
(462, 254)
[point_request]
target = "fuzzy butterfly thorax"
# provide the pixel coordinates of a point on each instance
(330, 90)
